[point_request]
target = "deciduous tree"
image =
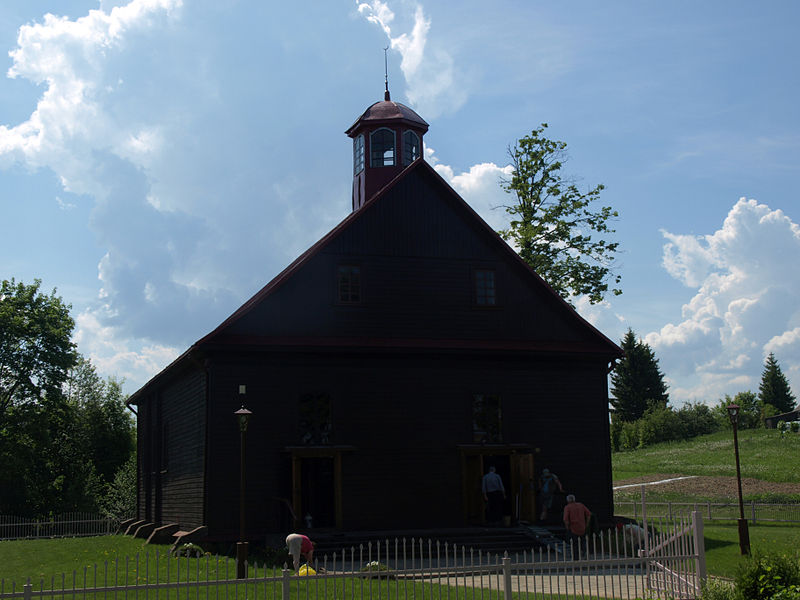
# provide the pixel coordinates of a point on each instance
(555, 227)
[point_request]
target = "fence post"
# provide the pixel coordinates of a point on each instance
(27, 591)
(753, 510)
(507, 577)
(286, 582)
(699, 548)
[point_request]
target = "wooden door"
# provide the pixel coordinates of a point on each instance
(524, 491)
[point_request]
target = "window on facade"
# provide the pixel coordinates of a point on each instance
(349, 282)
(484, 288)
(411, 147)
(358, 154)
(315, 419)
(381, 148)
(486, 419)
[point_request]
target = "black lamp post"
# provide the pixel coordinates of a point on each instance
(242, 417)
(744, 534)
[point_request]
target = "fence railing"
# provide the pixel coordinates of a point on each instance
(713, 511)
(65, 525)
(611, 564)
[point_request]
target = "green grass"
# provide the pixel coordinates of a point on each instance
(763, 455)
(722, 544)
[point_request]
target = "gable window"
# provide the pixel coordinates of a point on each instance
(485, 294)
(381, 148)
(411, 147)
(315, 419)
(349, 284)
(487, 421)
(358, 154)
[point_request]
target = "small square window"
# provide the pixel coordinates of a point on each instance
(484, 288)
(487, 419)
(349, 284)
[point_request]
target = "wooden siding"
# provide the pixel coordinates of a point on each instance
(405, 415)
(183, 407)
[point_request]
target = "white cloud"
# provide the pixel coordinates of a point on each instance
(745, 303)
(479, 186)
(429, 69)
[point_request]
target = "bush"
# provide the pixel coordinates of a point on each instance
(764, 575)
(788, 593)
(719, 590)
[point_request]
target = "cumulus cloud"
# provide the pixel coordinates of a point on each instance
(479, 186)
(429, 70)
(744, 306)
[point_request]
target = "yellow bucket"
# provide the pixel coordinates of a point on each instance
(306, 570)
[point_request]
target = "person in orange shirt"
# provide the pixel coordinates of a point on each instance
(576, 517)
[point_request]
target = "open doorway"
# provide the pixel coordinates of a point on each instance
(317, 499)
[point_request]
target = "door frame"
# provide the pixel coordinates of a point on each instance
(298, 453)
(514, 452)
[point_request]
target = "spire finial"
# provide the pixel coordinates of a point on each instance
(386, 74)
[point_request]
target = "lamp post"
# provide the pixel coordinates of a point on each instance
(242, 417)
(744, 534)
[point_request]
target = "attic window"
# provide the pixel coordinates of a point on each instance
(358, 154)
(410, 147)
(349, 284)
(485, 294)
(381, 148)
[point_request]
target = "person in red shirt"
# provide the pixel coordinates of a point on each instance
(576, 517)
(300, 544)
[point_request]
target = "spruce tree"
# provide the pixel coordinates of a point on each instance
(774, 388)
(637, 383)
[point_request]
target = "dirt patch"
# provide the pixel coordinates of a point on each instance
(710, 487)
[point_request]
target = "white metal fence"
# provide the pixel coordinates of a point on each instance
(713, 511)
(65, 525)
(668, 562)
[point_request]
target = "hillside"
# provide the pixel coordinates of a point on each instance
(769, 465)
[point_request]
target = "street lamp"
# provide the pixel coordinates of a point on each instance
(242, 417)
(744, 534)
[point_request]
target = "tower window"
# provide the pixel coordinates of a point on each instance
(381, 148)
(411, 147)
(485, 294)
(349, 283)
(358, 154)
(315, 419)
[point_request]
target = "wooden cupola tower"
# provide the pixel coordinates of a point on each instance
(386, 139)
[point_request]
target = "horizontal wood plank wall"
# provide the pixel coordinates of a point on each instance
(405, 416)
(183, 413)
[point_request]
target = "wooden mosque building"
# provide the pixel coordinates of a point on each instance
(386, 369)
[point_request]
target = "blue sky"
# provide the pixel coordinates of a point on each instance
(161, 160)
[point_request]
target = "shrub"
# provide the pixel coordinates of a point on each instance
(763, 575)
(719, 590)
(788, 593)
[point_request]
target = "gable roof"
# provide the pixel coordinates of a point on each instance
(602, 344)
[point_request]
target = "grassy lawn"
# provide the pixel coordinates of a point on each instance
(722, 544)
(763, 455)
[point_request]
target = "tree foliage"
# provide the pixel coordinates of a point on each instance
(637, 383)
(36, 350)
(553, 225)
(774, 388)
(64, 431)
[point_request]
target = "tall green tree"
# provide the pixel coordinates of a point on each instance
(555, 227)
(36, 350)
(774, 388)
(637, 383)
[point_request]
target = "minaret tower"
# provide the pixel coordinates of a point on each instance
(386, 139)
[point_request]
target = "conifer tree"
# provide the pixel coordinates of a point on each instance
(637, 383)
(774, 388)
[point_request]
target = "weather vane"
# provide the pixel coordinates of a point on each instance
(386, 73)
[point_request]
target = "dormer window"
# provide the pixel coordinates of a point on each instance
(411, 147)
(358, 154)
(381, 148)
